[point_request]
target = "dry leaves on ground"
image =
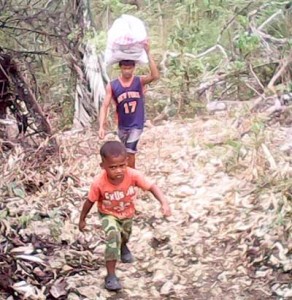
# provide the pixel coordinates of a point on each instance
(229, 236)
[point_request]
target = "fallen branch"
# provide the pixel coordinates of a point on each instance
(212, 49)
(2, 25)
(270, 37)
(255, 29)
(256, 77)
(269, 157)
(271, 18)
(285, 64)
(175, 54)
(265, 5)
(45, 52)
(206, 83)
(253, 89)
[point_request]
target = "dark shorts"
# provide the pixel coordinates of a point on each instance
(130, 138)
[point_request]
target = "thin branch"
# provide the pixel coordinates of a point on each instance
(269, 157)
(48, 3)
(227, 89)
(285, 64)
(228, 23)
(270, 37)
(256, 77)
(45, 52)
(217, 46)
(174, 54)
(15, 39)
(29, 30)
(279, 12)
(4, 72)
(254, 12)
(252, 88)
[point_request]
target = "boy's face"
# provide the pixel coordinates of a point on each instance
(115, 167)
(127, 71)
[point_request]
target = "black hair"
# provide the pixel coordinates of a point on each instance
(112, 148)
(127, 62)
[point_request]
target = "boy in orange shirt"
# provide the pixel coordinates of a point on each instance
(114, 192)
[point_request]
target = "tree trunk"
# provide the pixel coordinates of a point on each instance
(91, 73)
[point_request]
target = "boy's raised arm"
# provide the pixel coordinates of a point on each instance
(85, 210)
(154, 72)
(157, 193)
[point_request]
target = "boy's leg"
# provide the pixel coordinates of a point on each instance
(112, 230)
(126, 255)
(131, 160)
(111, 267)
(130, 139)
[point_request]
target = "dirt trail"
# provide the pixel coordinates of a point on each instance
(215, 245)
(226, 239)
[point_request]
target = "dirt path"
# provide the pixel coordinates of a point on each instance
(215, 245)
(226, 239)
(220, 239)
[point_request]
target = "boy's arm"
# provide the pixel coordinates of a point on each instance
(157, 193)
(104, 111)
(85, 210)
(154, 73)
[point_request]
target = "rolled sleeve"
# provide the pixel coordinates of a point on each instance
(94, 193)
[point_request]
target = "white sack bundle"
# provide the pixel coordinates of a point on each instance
(126, 40)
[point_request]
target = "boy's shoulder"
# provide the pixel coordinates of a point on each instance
(115, 80)
(100, 178)
(138, 178)
(135, 174)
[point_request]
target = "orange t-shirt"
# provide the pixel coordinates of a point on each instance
(117, 200)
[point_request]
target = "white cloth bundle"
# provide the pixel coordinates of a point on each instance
(126, 40)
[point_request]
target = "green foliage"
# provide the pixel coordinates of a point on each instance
(116, 7)
(181, 73)
(56, 224)
(182, 38)
(24, 220)
(237, 65)
(15, 189)
(4, 214)
(236, 144)
(257, 127)
(242, 20)
(186, 27)
(247, 43)
(98, 40)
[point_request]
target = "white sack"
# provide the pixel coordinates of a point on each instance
(126, 40)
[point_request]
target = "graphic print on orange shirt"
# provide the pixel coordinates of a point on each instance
(118, 200)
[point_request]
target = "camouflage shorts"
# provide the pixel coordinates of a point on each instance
(116, 230)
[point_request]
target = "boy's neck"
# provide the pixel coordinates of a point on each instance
(126, 81)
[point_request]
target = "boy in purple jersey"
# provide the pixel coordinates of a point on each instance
(127, 92)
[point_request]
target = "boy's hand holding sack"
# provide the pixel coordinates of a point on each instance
(126, 40)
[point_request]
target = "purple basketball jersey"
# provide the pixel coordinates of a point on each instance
(129, 103)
